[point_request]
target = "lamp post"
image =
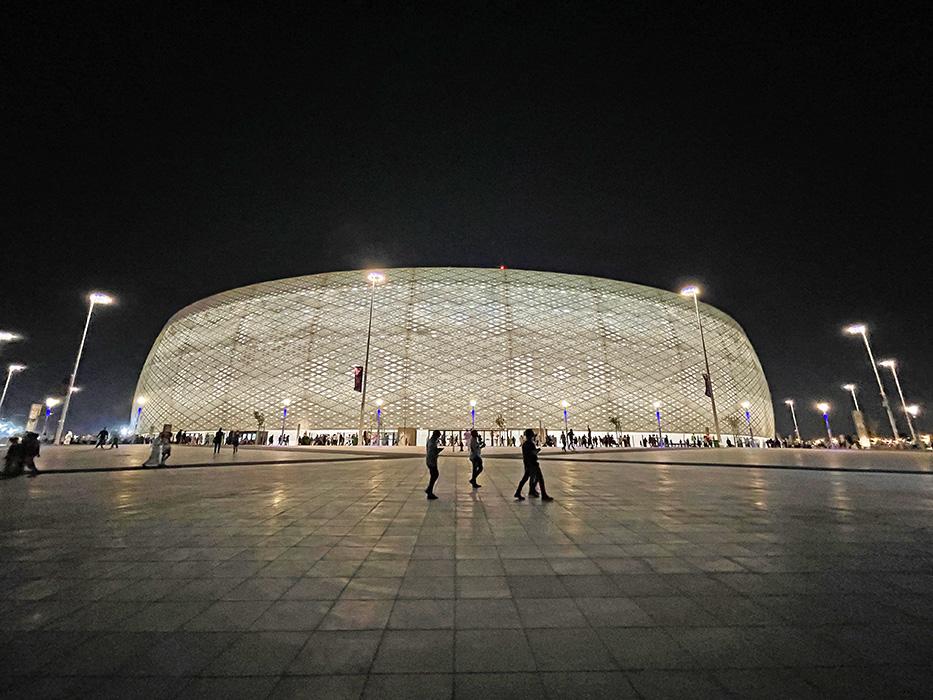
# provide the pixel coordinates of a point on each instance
(851, 389)
(94, 299)
(823, 408)
(892, 365)
(565, 406)
(10, 369)
(746, 405)
(379, 421)
(374, 279)
(708, 379)
(50, 403)
(285, 404)
(657, 415)
(473, 413)
(139, 412)
(862, 330)
(793, 414)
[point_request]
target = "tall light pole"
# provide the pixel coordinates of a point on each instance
(473, 413)
(565, 406)
(862, 330)
(708, 379)
(94, 299)
(823, 408)
(657, 415)
(793, 414)
(50, 403)
(892, 365)
(379, 422)
(10, 369)
(285, 404)
(139, 412)
(374, 279)
(748, 420)
(851, 389)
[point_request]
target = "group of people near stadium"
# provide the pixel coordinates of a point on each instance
(532, 475)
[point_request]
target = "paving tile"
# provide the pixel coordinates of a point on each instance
(179, 654)
(228, 616)
(537, 587)
(316, 588)
(492, 650)
(662, 685)
(428, 587)
(554, 612)
(258, 654)
(569, 650)
(336, 653)
(228, 688)
(498, 686)
(645, 648)
(371, 588)
(487, 614)
(293, 615)
(411, 651)
(422, 614)
(357, 615)
(163, 616)
(323, 687)
(613, 612)
(482, 587)
(411, 686)
(590, 685)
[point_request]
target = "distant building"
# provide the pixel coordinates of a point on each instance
(517, 342)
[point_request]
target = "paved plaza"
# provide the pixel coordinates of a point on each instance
(327, 574)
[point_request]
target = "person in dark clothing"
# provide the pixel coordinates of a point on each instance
(476, 459)
(218, 440)
(235, 441)
(532, 468)
(13, 460)
(101, 439)
(431, 459)
(30, 452)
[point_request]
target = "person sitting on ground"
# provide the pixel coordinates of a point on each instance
(13, 460)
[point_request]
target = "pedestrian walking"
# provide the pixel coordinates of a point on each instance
(532, 468)
(101, 439)
(114, 441)
(30, 452)
(235, 441)
(431, 459)
(218, 440)
(476, 459)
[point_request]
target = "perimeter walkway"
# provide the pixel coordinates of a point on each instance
(338, 579)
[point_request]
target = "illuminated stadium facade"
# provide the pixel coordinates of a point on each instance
(518, 343)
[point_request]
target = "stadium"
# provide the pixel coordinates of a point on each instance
(450, 347)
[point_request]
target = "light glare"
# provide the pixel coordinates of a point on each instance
(15, 368)
(376, 277)
(823, 407)
(856, 329)
(101, 298)
(690, 291)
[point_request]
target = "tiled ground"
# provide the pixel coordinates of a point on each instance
(332, 580)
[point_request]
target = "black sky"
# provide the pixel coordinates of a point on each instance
(780, 155)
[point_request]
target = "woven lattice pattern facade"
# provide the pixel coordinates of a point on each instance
(517, 342)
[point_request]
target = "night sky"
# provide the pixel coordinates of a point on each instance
(778, 155)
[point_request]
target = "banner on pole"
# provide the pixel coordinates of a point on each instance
(709, 385)
(358, 378)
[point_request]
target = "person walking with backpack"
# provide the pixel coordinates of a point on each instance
(431, 460)
(532, 468)
(476, 459)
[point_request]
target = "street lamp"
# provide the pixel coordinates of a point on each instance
(793, 414)
(657, 415)
(473, 413)
(565, 406)
(285, 404)
(379, 421)
(374, 279)
(862, 330)
(50, 403)
(695, 292)
(748, 420)
(10, 369)
(892, 365)
(93, 299)
(823, 408)
(851, 389)
(139, 411)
